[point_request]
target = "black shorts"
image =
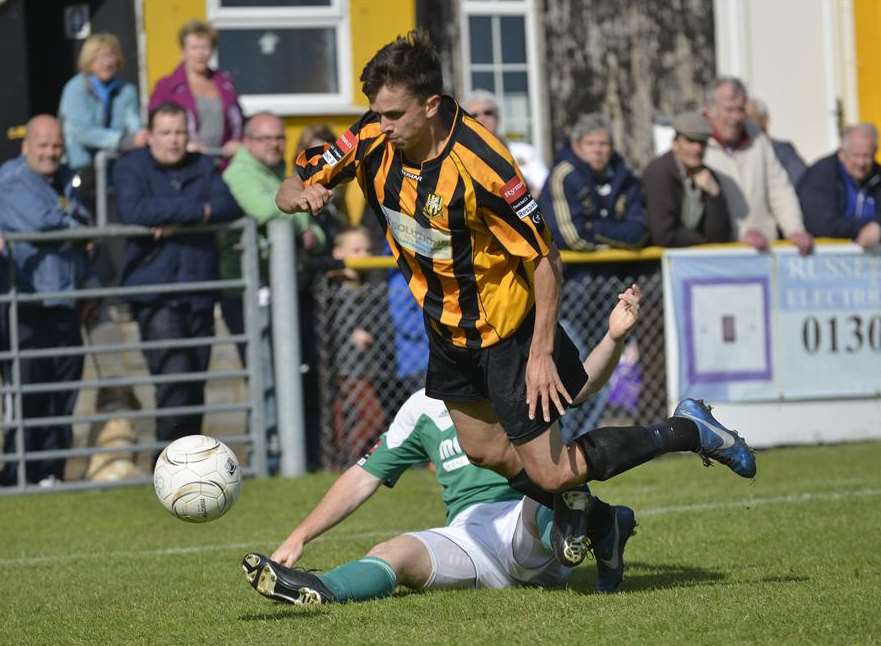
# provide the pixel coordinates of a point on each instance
(498, 374)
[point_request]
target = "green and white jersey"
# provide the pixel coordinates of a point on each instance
(423, 432)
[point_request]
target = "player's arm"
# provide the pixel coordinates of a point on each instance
(514, 219)
(543, 384)
(319, 169)
(345, 495)
(294, 196)
(602, 360)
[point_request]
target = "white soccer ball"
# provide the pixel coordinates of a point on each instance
(197, 478)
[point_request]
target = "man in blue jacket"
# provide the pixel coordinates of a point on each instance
(840, 194)
(164, 187)
(38, 193)
(591, 197)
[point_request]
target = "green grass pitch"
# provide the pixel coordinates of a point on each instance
(791, 558)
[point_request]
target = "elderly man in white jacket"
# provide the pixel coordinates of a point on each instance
(759, 195)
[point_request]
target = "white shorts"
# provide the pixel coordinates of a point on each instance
(488, 546)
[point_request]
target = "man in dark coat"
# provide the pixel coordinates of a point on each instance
(591, 196)
(163, 187)
(840, 194)
(684, 202)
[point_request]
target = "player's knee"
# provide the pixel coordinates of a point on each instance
(554, 480)
(489, 457)
(382, 551)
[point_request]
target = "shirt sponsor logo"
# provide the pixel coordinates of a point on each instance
(448, 448)
(457, 463)
(346, 142)
(338, 150)
(433, 206)
(513, 190)
(412, 236)
(515, 194)
(331, 155)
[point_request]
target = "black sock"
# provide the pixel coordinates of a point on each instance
(599, 520)
(522, 483)
(613, 450)
(679, 434)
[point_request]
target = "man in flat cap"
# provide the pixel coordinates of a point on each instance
(684, 201)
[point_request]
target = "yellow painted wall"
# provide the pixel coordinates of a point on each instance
(162, 19)
(373, 23)
(867, 30)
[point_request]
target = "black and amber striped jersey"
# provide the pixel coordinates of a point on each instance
(462, 226)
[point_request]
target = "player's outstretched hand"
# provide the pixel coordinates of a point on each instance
(544, 387)
(623, 318)
(312, 199)
(289, 552)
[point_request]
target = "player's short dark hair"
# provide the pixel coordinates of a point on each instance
(166, 107)
(409, 60)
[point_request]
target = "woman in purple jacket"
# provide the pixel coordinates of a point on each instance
(214, 117)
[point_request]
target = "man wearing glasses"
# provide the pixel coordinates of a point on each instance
(253, 176)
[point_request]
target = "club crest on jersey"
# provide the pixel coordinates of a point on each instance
(433, 205)
(518, 197)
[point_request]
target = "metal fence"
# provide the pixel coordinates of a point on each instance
(249, 439)
(372, 353)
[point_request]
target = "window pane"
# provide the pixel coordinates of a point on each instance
(515, 82)
(481, 39)
(515, 100)
(513, 39)
(269, 61)
(483, 81)
(275, 3)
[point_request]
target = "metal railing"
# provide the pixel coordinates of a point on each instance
(104, 188)
(253, 439)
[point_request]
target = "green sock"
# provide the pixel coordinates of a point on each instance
(368, 578)
(544, 520)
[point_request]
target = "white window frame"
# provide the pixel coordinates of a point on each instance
(335, 16)
(526, 9)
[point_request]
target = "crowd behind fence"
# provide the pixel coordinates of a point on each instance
(359, 392)
(248, 441)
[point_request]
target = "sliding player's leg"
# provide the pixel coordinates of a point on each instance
(400, 560)
(608, 530)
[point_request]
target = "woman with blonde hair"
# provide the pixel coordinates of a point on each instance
(99, 111)
(214, 116)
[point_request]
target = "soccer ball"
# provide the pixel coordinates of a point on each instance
(197, 478)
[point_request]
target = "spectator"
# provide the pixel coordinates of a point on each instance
(98, 111)
(684, 202)
(214, 117)
(787, 155)
(163, 187)
(591, 197)
(484, 107)
(253, 176)
(359, 357)
(841, 194)
(37, 193)
(759, 195)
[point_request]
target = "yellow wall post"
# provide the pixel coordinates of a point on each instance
(162, 19)
(867, 30)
